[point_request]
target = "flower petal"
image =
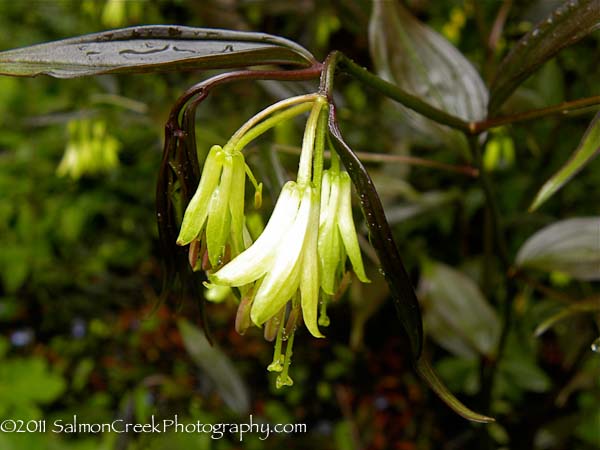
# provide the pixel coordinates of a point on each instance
(219, 220)
(236, 204)
(257, 259)
(282, 281)
(329, 240)
(197, 209)
(347, 230)
(309, 277)
(325, 192)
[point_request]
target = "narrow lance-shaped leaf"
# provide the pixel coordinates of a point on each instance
(571, 246)
(568, 24)
(422, 62)
(401, 288)
(151, 48)
(219, 368)
(587, 306)
(588, 148)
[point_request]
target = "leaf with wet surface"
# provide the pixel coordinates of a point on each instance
(567, 25)
(152, 48)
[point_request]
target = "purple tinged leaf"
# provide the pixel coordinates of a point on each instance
(567, 25)
(151, 48)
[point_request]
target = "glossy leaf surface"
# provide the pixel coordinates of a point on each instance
(568, 24)
(422, 62)
(151, 48)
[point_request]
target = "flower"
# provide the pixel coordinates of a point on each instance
(337, 233)
(282, 260)
(215, 213)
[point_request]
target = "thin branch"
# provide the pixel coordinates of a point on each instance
(394, 159)
(561, 108)
(394, 92)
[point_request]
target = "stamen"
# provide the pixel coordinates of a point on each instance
(278, 359)
(323, 318)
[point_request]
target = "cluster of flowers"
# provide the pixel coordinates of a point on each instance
(299, 260)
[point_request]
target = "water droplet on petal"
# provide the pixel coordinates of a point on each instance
(596, 345)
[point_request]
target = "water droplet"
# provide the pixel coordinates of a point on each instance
(596, 345)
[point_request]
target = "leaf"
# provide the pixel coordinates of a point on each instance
(427, 373)
(568, 24)
(217, 366)
(456, 314)
(588, 148)
(585, 306)
(422, 62)
(571, 246)
(392, 268)
(151, 48)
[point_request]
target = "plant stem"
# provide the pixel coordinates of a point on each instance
(247, 134)
(394, 92)
(399, 159)
(561, 108)
(308, 142)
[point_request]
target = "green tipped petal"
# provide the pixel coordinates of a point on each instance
(347, 229)
(282, 281)
(236, 204)
(219, 219)
(197, 210)
(255, 261)
(329, 240)
(309, 278)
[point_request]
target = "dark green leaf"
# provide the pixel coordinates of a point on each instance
(588, 148)
(401, 288)
(422, 62)
(571, 246)
(151, 48)
(568, 24)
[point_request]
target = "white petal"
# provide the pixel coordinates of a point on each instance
(257, 259)
(282, 280)
(309, 278)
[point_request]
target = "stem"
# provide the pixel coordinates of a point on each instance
(206, 86)
(246, 134)
(240, 135)
(488, 370)
(394, 92)
(319, 150)
(367, 157)
(308, 143)
(561, 108)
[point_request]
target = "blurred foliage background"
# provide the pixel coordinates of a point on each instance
(80, 268)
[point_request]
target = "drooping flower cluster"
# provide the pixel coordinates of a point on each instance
(300, 257)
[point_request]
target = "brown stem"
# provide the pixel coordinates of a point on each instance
(561, 108)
